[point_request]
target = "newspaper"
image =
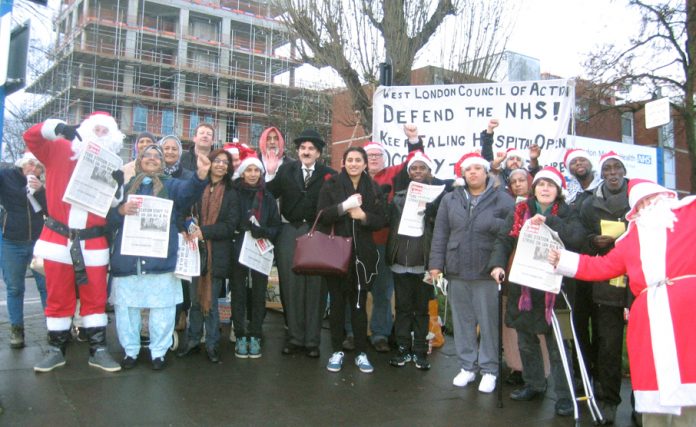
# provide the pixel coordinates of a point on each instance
(188, 260)
(530, 266)
(418, 195)
(147, 233)
(256, 254)
(91, 186)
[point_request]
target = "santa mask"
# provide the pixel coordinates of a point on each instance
(100, 129)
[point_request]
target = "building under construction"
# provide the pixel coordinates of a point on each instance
(167, 65)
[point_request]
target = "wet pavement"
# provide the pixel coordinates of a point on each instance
(273, 390)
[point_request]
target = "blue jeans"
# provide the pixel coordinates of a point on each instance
(16, 257)
(196, 318)
(382, 292)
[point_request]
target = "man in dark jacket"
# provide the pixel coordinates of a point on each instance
(297, 185)
(202, 144)
(604, 209)
(24, 200)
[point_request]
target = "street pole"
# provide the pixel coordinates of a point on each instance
(5, 30)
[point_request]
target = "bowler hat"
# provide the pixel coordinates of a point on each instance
(312, 136)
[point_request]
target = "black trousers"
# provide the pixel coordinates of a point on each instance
(412, 298)
(584, 322)
(241, 288)
(608, 335)
(342, 291)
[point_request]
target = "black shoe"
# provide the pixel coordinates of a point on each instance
(381, 345)
(349, 343)
(421, 362)
(312, 352)
(292, 349)
(515, 379)
(213, 355)
(564, 407)
(158, 363)
(608, 412)
(526, 393)
(128, 362)
(189, 348)
(637, 418)
(402, 357)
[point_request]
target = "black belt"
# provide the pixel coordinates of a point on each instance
(75, 235)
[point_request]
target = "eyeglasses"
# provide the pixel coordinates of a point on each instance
(374, 156)
(221, 162)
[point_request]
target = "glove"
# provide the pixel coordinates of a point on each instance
(352, 202)
(68, 131)
(117, 175)
(258, 232)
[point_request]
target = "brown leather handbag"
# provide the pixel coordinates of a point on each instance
(320, 254)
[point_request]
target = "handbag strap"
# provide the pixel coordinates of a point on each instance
(314, 226)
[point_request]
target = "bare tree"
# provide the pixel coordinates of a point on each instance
(659, 59)
(354, 36)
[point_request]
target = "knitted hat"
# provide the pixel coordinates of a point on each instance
(248, 157)
(551, 173)
(607, 156)
(473, 158)
(638, 189)
(573, 154)
(419, 156)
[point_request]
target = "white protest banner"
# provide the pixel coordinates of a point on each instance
(451, 118)
(640, 161)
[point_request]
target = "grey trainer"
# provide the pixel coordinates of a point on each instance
(17, 336)
(102, 359)
(54, 358)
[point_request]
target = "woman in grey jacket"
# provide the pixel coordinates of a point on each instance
(466, 227)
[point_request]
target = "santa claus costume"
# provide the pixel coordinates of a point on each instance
(73, 242)
(657, 255)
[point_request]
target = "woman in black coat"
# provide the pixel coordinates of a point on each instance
(216, 219)
(258, 213)
(352, 202)
(529, 310)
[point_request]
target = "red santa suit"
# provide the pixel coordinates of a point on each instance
(661, 265)
(59, 158)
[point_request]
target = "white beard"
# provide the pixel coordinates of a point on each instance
(113, 141)
(658, 214)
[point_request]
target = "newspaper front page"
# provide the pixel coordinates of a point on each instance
(530, 267)
(417, 196)
(188, 259)
(256, 254)
(147, 233)
(91, 186)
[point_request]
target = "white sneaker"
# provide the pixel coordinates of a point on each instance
(463, 378)
(487, 384)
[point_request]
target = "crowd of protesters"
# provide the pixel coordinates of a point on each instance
(468, 235)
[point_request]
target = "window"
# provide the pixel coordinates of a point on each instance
(627, 128)
(140, 118)
(670, 169)
(167, 122)
(582, 110)
(193, 124)
(256, 131)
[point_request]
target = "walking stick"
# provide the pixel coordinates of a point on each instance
(499, 380)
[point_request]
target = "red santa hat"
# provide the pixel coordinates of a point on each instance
(473, 158)
(248, 157)
(607, 156)
(419, 156)
(639, 188)
(552, 174)
(232, 147)
(573, 154)
(515, 152)
(374, 145)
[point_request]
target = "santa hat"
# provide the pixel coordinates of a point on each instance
(473, 158)
(638, 189)
(232, 147)
(515, 152)
(573, 154)
(26, 158)
(607, 156)
(374, 145)
(551, 173)
(419, 156)
(248, 157)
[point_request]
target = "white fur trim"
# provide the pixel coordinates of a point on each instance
(459, 182)
(77, 217)
(568, 263)
(61, 253)
(48, 129)
(475, 160)
(649, 402)
(245, 164)
(548, 175)
(94, 320)
(58, 323)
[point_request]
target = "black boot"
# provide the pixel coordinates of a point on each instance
(99, 356)
(55, 356)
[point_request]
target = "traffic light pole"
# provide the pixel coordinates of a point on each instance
(5, 9)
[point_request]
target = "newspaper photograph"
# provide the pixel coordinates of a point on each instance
(147, 233)
(256, 255)
(91, 186)
(418, 195)
(530, 267)
(188, 260)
